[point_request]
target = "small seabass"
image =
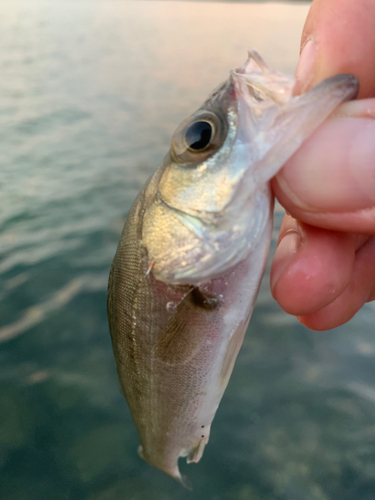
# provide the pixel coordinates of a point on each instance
(192, 254)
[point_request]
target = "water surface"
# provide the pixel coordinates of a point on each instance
(90, 93)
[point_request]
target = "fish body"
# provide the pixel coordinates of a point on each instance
(193, 251)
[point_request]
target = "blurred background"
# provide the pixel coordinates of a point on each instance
(90, 93)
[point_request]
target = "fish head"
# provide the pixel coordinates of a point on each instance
(212, 198)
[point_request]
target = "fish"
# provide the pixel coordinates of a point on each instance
(188, 267)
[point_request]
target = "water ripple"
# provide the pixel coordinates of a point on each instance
(38, 313)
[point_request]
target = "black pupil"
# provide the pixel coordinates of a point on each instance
(198, 135)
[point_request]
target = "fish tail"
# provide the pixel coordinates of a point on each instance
(172, 471)
(183, 480)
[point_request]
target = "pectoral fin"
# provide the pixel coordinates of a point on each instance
(179, 341)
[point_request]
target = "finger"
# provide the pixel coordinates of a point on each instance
(338, 37)
(311, 266)
(360, 290)
(330, 180)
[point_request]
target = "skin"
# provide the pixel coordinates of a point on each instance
(323, 270)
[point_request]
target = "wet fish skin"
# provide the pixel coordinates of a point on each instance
(188, 267)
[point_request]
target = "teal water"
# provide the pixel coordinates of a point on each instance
(90, 93)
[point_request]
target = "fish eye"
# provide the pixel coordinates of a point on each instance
(198, 135)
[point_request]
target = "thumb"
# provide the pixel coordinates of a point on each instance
(338, 37)
(330, 181)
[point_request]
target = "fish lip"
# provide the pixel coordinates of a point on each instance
(345, 80)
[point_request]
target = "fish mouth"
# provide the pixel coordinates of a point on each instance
(277, 121)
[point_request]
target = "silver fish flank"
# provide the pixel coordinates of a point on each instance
(188, 267)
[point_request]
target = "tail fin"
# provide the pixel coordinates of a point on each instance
(173, 471)
(184, 481)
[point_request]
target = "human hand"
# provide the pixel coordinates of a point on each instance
(324, 267)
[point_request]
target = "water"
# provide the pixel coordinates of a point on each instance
(90, 95)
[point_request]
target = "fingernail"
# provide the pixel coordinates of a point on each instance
(363, 108)
(285, 253)
(304, 73)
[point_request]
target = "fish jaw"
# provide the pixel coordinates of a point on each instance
(280, 129)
